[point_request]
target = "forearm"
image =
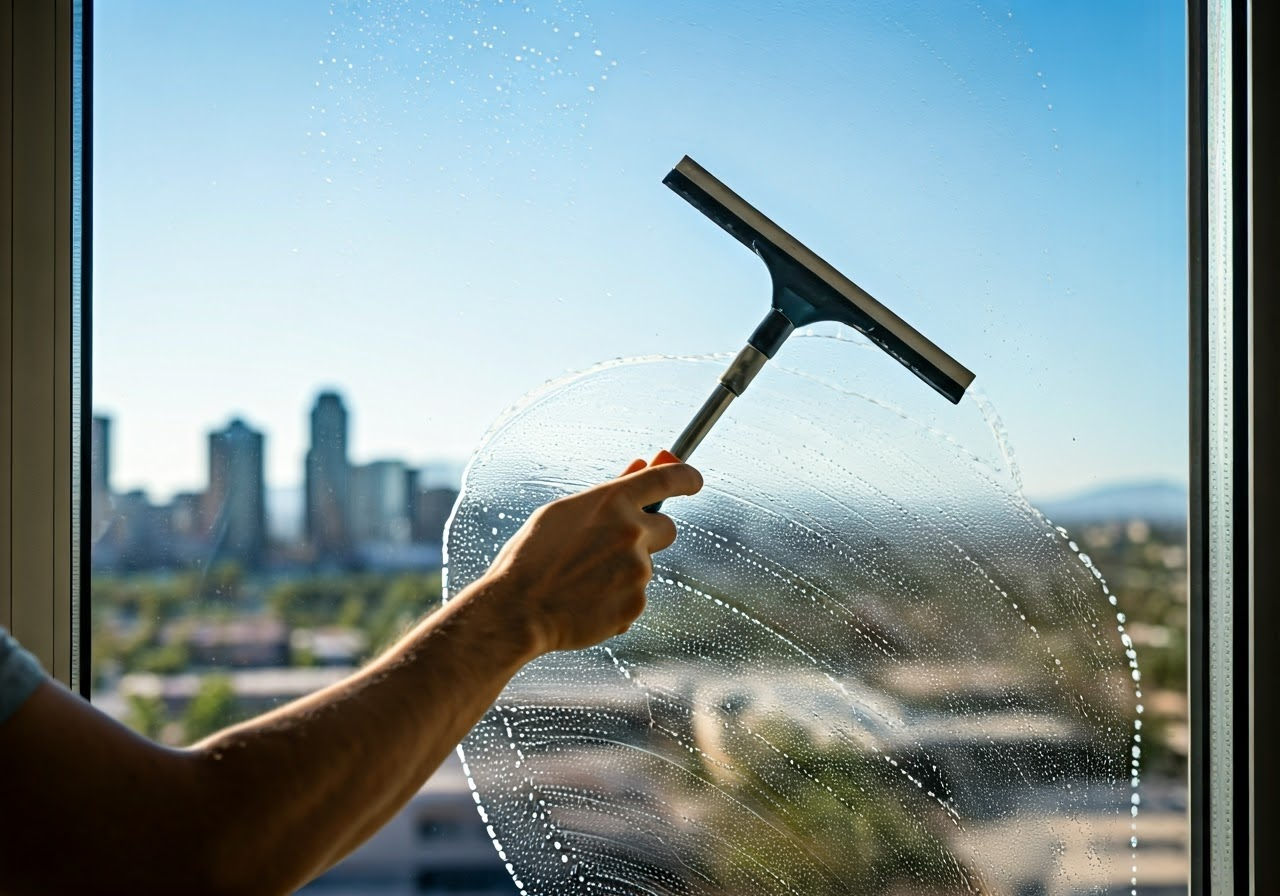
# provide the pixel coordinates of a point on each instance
(264, 806)
(302, 786)
(309, 782)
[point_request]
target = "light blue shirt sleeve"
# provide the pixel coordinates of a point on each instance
(20, 674)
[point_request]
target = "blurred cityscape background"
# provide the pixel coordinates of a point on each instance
(207, 611)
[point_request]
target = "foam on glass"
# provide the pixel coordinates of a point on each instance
(866, 658)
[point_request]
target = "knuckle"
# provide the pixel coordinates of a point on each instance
(631, 572)
(641, 571)
(633, 606)
(667, 529)
(629, 530)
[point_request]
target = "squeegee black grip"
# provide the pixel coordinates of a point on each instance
(772, 332)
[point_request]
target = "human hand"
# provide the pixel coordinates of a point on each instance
(576, 571)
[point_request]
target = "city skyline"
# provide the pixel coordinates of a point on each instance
(351, 514)
(438, 470)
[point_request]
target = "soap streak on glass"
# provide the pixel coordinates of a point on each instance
(866, 659)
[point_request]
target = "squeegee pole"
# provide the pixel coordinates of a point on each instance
(766, 340)
(702, 422)
(732, 383)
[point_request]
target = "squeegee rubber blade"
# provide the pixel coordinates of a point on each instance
(819, 291)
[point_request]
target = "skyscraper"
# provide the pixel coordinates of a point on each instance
(328, 480)
(431, 509)
(100, 451)
(100, 474)
(235, 502)
(381, 502)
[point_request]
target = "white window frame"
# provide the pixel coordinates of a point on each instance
(1235, 480)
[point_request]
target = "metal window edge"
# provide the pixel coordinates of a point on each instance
(1233, 430)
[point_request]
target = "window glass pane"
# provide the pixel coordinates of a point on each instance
(334, 243)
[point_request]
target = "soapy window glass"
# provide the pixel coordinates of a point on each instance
(333, 243)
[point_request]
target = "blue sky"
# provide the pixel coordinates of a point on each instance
(437, 207)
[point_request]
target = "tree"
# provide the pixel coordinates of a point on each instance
(213, 708)
(146, 715)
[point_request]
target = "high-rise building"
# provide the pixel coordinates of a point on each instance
(136, 538)
(381, 502)
(328, 480)
(100, 474)
(431, 509)
(235, 503)
(100, 451)
(188, 538)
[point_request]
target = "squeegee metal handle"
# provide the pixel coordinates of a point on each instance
(733, 382)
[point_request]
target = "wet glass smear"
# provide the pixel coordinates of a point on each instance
(867, 665)
(394, 75)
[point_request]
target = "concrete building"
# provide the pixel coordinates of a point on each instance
(241, 643)
(326, 514)
(381, 503)
(140, 535)
(100, 474)
(235, 512)
(135, 535)
(331, 645)
(188, 538)
(256, 690)
(431, 509)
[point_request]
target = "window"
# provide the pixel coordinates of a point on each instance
(1197, 553)
(359, 197)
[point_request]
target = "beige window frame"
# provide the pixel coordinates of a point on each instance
(37, 535)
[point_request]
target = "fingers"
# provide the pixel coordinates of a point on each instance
(637, 464)
(652, 482)
(659, 531)
(657, 483)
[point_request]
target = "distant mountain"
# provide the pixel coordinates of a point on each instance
(1159, 502)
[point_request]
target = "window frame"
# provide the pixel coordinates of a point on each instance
(45, 378)
(1233, 432)
(39, 532)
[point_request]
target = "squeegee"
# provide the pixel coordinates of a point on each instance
(806, 290)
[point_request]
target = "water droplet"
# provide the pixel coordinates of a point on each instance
(823, 636)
